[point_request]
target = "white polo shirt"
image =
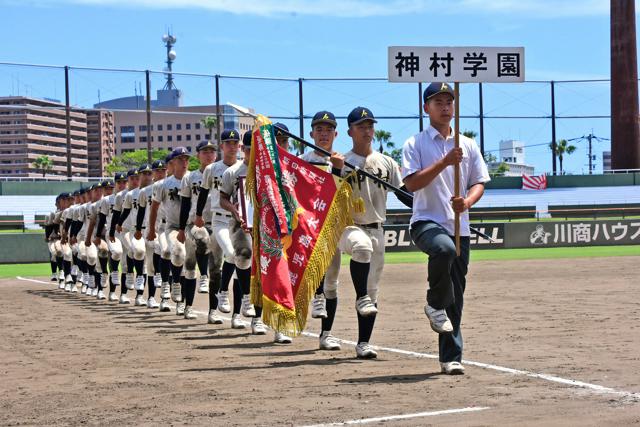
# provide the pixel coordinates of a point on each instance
(433, 202)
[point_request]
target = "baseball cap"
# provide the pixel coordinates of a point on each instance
(179, 152)
(206, 144)
(107, 183)
(246, 139)
(144, 168)
(119, 176)
(132, 172)
(230, 135)
(324, 117)
(279, 127)
(158, 164)
(360, 114)
(435, 88)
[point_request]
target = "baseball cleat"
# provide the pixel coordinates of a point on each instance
(54, 277)
(152, 303)
(67, 287)
(329, 342)
(319, 307)
(203, 284)
(83, 289)
(61, 285)
(247, 309)
(223, 302)
(438, 319)
(139, 283)
(257, 327)
(139, 301)
(164, 305)
(365, 351)
(166, 291)
(176, 292)
(113, 297)
(452, 368)
(236, 322)
(124, 299)
(189, 314)
(214, 318)
(281, 338)
(74, 289)
(94, 292)
(100, 295)
(180, 309)
(365, 307)
(129, 281)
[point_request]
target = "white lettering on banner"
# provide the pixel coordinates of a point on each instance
(493, 234)
(456, 64)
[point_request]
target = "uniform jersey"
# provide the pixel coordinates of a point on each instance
(160, 216)
(130, 202)
(230, 179)
(315, 158)
(212, 181)
(92, 215)
(168, 194)
(191, 183)
(105, 207)
(373, 193)
(144, 201)
(80, 214)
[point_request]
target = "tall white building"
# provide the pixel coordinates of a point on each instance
(512, 154)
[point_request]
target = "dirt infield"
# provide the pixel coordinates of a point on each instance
(68, 359)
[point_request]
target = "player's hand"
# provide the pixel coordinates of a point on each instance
(453, 157)
(73, 241)
(119, 228)
(181, 237)
(151, 234)
(459, 204)
(112, 239)
(198, 222)
(337, 160)
(138, 235)
(244, 227)
(87, 242)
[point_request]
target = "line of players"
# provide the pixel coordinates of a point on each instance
(159, 225)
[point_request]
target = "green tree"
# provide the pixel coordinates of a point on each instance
(562, 147)
(44, 164)
(210, 123)
(133, 159)
(383, 138)
(500, 170)
(470, 134)
(490, 157)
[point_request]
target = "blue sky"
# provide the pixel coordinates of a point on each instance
(326, 38)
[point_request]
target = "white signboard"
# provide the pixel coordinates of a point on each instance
(472, 64)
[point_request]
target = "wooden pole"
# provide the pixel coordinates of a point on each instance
(457, 165)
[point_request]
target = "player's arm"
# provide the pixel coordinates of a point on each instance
(461, 204)
(153, 216)
(92, 224)
(226, 204)
(423, 177)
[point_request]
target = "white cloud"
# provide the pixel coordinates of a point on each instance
(545, 9)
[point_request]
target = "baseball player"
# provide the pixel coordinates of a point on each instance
(428, 161)
(364, 241)
(52, 237)
(114, 246)
(168, 195)
(161, 247)
(325, 302)
(94, 270)
(282, 139)
(77, 233)
(221, 246)
(96, 229)
(66, 218)
(241, 238)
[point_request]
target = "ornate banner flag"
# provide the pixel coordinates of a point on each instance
(300, 212)
(534, 182)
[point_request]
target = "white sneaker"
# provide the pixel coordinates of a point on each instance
(214, 318)
(329, 342)
(365, 351)
(247, 309)
(104, 279)
(129, 281)
(61, 275)
(438, 319)
(452, 368)
(139, 301)
(166, 291)
(94, 292)
(281, 338)
(257, 327)
(223, 302)
(203, 284)
(365, 306)
(157, 280)
(164, 305)
(54, 277)
(236, 322)
(319, 307)
(61, 285)
(124, 299)
(67, 287)
(176, 292)
(100, 295)
(152, 303)
(139, 283)
(115, 278)
(189, 314)
(83, 289)
(113, 296)
(74, 289)
(180, 309)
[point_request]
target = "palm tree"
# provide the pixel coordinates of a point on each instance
(562, 147)
(383, 137)
(470, 134)
(44, 163)
(210, 123)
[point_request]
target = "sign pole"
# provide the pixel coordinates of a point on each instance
(456, 184)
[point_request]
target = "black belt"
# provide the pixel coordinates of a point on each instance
(222, 214)
(373, 225)
(164, 221)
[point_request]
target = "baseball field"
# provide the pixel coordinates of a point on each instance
(551, 338)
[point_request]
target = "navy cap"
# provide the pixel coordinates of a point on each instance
(132, 172)
(107, 183)
(206, 144)
(178, 152)
(230, 135)
(279, 127)
(360, 114)
(76, 193)
(158, 164)
(324, 117)
(144, 168)
(246, 139)
(435, 88)
(119, 176)
(168, 158)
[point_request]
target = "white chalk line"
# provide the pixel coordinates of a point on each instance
(595, 388)
(403, 417)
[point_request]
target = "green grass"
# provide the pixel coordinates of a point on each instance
(28, 230)
(44, 269)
